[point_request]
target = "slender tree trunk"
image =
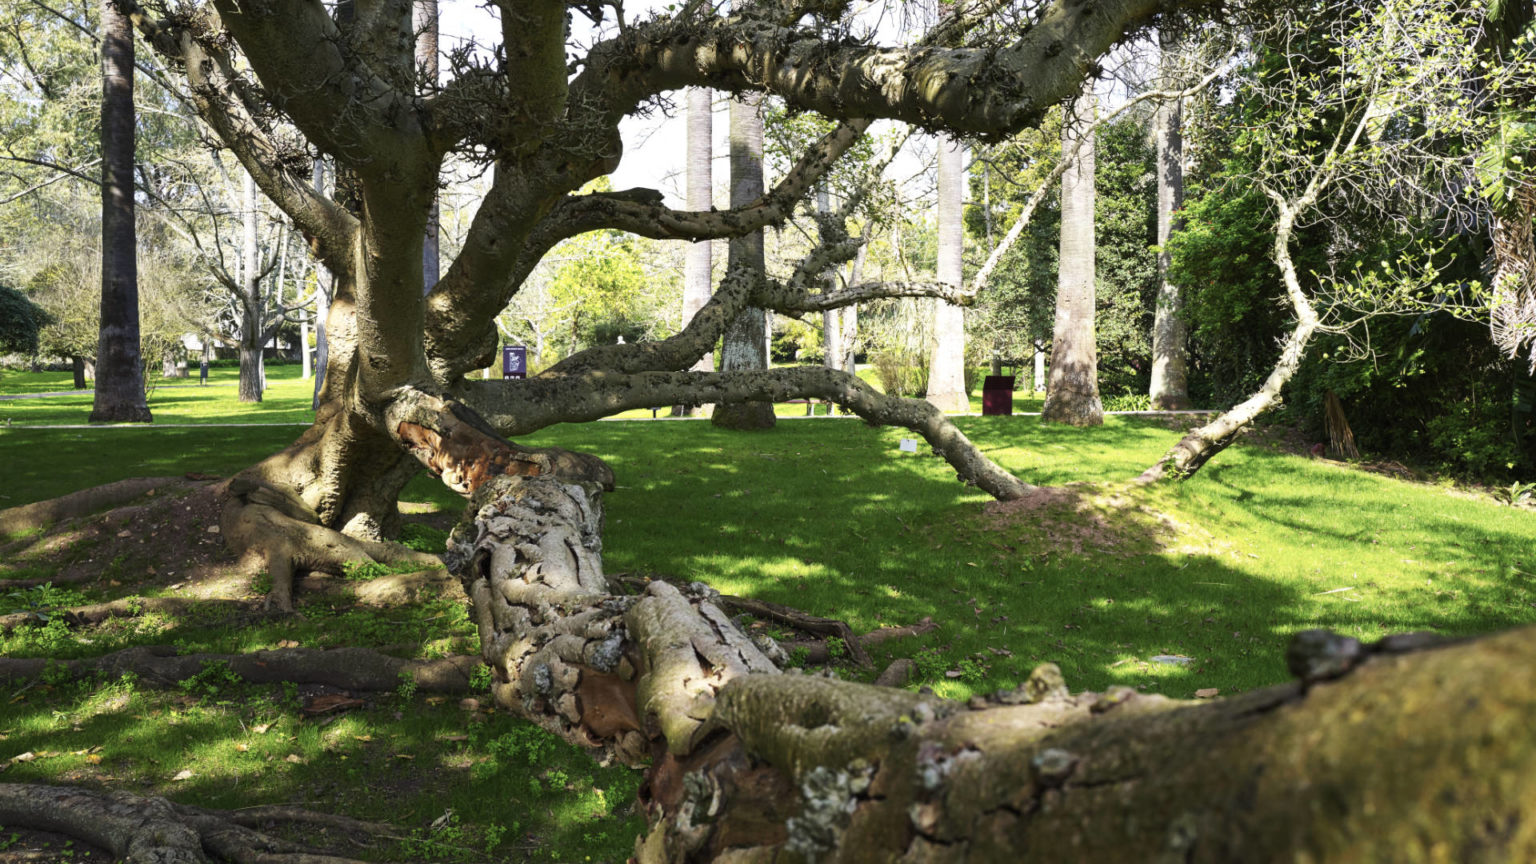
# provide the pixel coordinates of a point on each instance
(250, 297)
(1170, 349)
(1073, 394)
(119, 394)
(1197, 448)
(831, 319)
(1039, 367)
(77, 365)
(745, 345)
(946, 359)
(324, 285)
(698, 265)
(426, 61)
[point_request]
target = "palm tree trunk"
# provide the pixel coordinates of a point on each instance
(745, 345)
(1170, 336)
(946, 359)
(119, 394)
(699, 263)
(250, 297)
(1073, 393)
(426, 59)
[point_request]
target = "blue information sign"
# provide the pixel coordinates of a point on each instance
(514, 361)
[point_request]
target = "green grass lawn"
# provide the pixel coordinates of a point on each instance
(831, 517)
(172, 400)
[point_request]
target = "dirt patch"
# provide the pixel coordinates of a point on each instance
(1080, 518)
(167, 541)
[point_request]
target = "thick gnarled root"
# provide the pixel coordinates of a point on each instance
(272, 529)
(137, 829)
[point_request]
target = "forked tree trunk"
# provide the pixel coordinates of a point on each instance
(1170, 336)
(1358, 761)
(745, 345)
(1072, 396)
(119, 396)
(946, 360)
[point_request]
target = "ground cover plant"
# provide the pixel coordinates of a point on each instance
(1182, 590)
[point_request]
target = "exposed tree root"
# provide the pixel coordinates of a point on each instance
(818, 651)
(143, 830)
(345, 668)
(41, 514)
(272, 529)
(124, 607)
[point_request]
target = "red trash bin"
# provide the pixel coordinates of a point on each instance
(997, 395)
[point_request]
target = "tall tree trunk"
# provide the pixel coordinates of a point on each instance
(1039, 367)
(250, 296)
(324, 285)
(831, 319)
(1073, 394)
(698, 265)
(1170, 335)
(946, 359)
(77, 365)
(426, 61)
(745, 345)
(119, 394)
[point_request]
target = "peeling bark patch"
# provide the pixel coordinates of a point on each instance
(465, 462)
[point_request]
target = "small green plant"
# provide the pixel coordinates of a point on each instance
(836, 649)
(930, 666)
(215, 678)
(1516, 493)
(42, 597)
(262, 583)
(56, 673)
(481, 678)
(798, 656)
(406, 691)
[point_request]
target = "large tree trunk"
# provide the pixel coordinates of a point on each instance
(1170, 350)
(698, 264)
(745, 346)
(946, 360)
(1073, 393)
(1356, 761)
(250, 297)
(119, 396)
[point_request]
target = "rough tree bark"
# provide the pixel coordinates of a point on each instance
(1072, 396)
(946, 361)
(1358, 760)
(745, 346)
(119, 396)
(1170, 352)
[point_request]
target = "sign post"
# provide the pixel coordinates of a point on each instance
(514, 361)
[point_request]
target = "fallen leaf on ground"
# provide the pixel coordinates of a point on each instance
(183, 774)
(328, 702)
(242, 747)
(287, 643)
(294, 758)
(1206, 693)
(261, 728)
